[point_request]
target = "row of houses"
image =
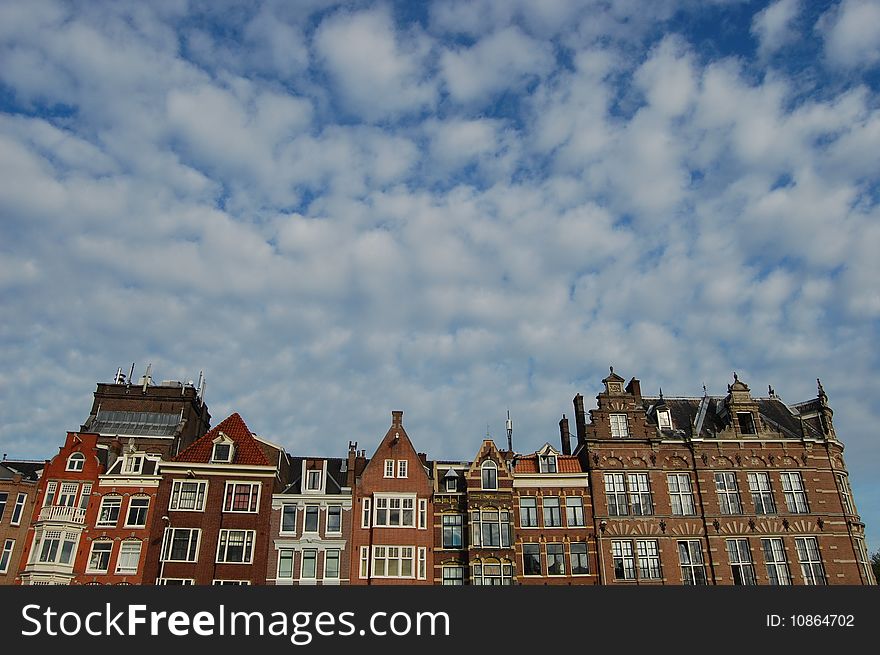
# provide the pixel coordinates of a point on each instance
(731, 489)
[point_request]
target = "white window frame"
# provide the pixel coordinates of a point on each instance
(201, 493)
(385, 504)
(558, 552)
(794, 492)
(217, 459)
(61, 553)
(68, 492)
(684, 496)
(51, 491)
(401, 555)
(402, 468)
(6, 554)
(452, 525)
(864, 560)
(451, 484)
(126, 548)
(230, 583)
(548, 463)
(133, 465)
(574, 511)
(285, 555)
(692, 562)
(193, 543)
(488, 469)
(108, 503)
(18, 509)
(664, 419)
(741, 566)
(389, 468)
(422, 563)
(108, 552)
(776, 561)
(311, 510)
(308, 554)
(585, 555)
(329, 576)
(253, 504)
(762, 492)
(84, 495)
(547, 511)
(727, 489)
(423, 514)
(452, 580)
(132, 506)
(650, 566)
(248, 546)
(622, 555)
(183, 582)
(313, 479)
(76, 462)
(334, 509)
(364, 568)
(619, 426)
(285, 507)
(528, 514)
(812, 569)
(483, 525)
(366, 513)
(849, 506)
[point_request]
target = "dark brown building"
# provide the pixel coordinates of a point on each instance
(18, 492)
(733, 489)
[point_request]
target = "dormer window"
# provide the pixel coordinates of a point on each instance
(664, 419)
(133, 464)
(489, 475)
(618, 426)
(313, 480)
(746, 422)
(224, 449)
(547, 463)
(76, 462)
(451, 484)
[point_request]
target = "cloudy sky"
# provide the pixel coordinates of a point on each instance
(453, 209)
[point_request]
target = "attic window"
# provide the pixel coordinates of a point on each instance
(746, 422)
(451, 484)
(547, 463)
(489, 475)
(313, 480)
(664, 419)
(619, 426)
(133, 464)
(222, 452)
(75, 462)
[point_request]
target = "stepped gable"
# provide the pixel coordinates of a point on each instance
(247, 450)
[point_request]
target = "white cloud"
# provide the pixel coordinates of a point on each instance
(773, 26)
(852, 39)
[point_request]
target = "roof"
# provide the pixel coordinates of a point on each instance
(142, 424)
(247, 450)
(149, 467)
(27, 469)
(564, 464)
(337, 470)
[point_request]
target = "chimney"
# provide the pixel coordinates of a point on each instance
(566, 436)
(635, 388)
(352, 456)
(580, 420)
(396, 418)
(424, 458)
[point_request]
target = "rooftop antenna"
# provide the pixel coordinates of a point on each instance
(147, 376)
(202, 391)
(201, 378)
(130, 374)
(120, 378)
(509, 426)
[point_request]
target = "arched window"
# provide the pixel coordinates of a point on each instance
(76, 462)
(490, 475)
(492, 571)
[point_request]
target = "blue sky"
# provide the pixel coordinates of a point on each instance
(453, 209)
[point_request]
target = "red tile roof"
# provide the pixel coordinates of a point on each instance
(564, 464)
(247, 450)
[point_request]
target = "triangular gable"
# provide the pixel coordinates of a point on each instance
(396, 445)
(234, 430)
(488, 450)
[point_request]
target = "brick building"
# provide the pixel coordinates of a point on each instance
(718, 490)
(391, 542)
(451, 532)
(18, 491)
(213, 508)
(311, 524)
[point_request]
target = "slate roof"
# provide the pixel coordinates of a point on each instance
(336, 474)
(28, 469)
(149, 467)
(247, 450)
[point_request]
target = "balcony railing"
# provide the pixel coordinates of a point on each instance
(63, 513)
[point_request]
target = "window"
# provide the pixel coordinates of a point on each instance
(690, 556)
(67, 496)
(389, 468)
(811, 562)
(334, 519)
(49, 498)
(313, 480)
(846, 494)
(309, 568)
(222, 452)
(618, 426)
(528, 512)
(133, 464)
(331, 564)
(547, 463)
(365, 562)
(176, 582)
(56, 547)
(230, 583)
(235, 546)
(741, 562)
(451, 484)
(795, 496)
(640, 501)
(76, 462)
(3, 498)
(624, 562)
(490, 528)
(17, 510)
(129, 557)
(762, 496)
(311, 522)
(649, 559)
(180, 545)
(491, 572)
(579, 563)
(288, 519)
(574, 511)
(552, 516)
(6, 554)
(423, 513)
(746, 422)
(423, 562)
(728, 493)
(489, 475)
(555, 560)
(531, 559)
(242, 497)
(774, 558)
(453, 576)
(864, 560)
(452, 530)
(401, 468)
(285, 564)
(680, 494)
(84, 496)
(395, 512)
(108, 514)
(615, 494)
(664, 419)
(365, 514)
(393, 561)
(137, 512)
(99, 558)
(188, 495)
